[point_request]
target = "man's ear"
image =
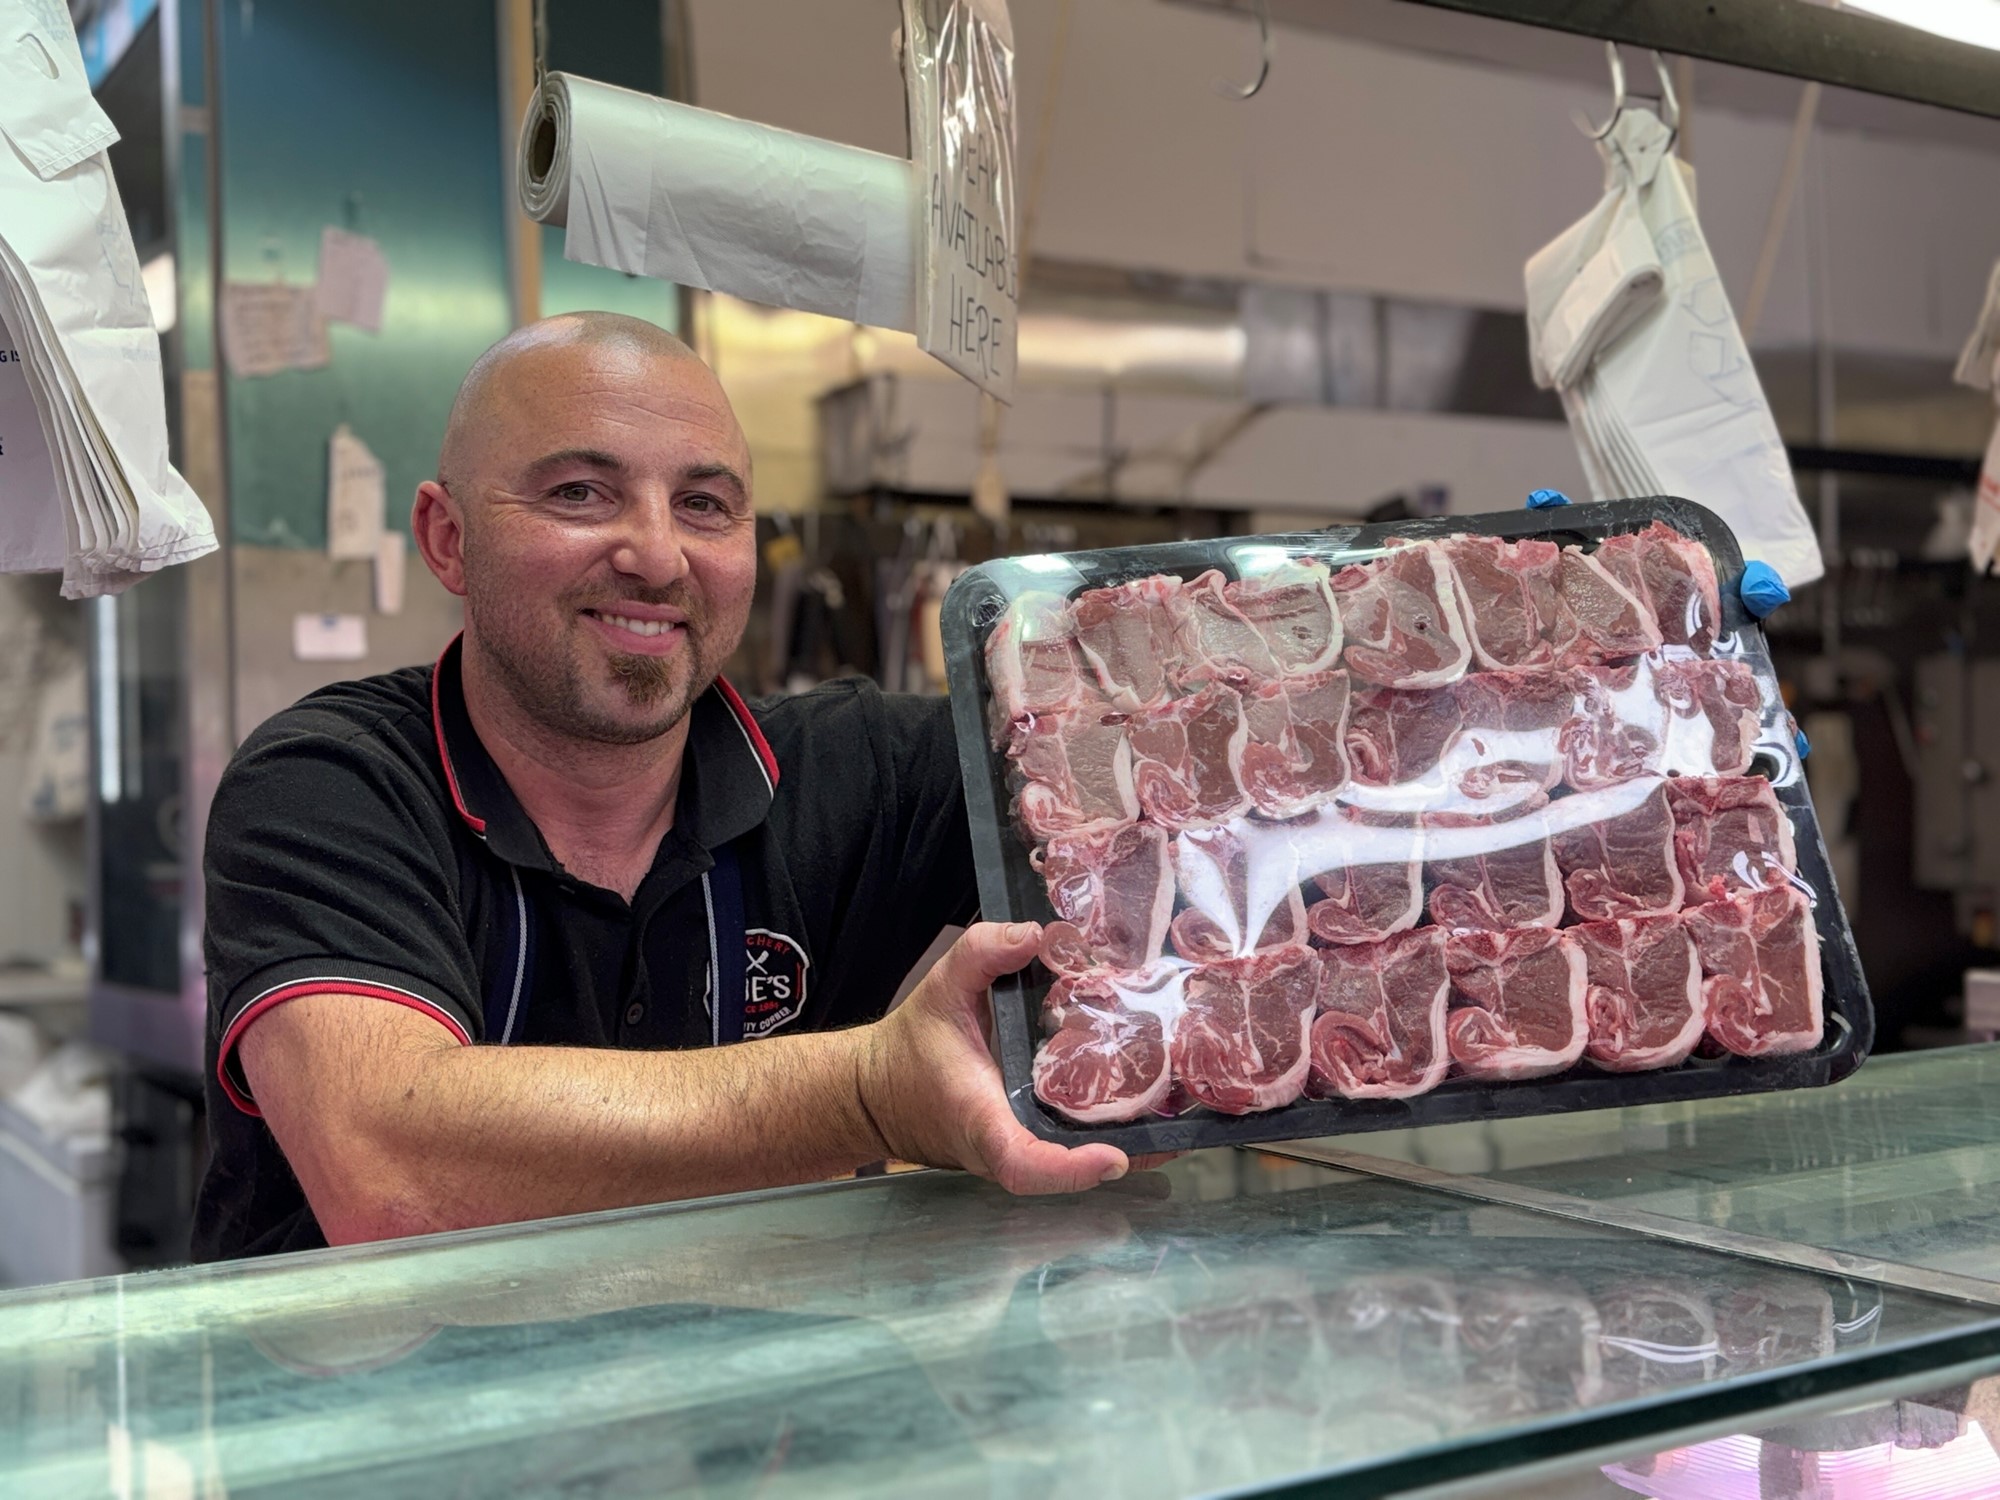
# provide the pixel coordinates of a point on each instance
(437, 526)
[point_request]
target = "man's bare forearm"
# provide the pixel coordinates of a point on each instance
(428, 1137)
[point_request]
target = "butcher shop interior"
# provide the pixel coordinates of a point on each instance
(1335, 658)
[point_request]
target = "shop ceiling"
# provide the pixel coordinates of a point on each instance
(1801, 39)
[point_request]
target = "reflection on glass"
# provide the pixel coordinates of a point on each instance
(1226, 1323)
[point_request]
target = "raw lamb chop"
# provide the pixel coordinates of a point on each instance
(1364, 903)
(1730, 835)
(1674, 577)
(1131, 635)
(1219, 643)
(1033, 664)
(1229, 893)
(1292, 607)
(1760, 954)
(1380, 1031)
(1113, 893)
(1618, 726)
(1623, 866)
(1713, 710)
(1517, 1003)
(1295, 757)
(1400, 616)
(1078, 773)
(1187, 757)
(1645, 1001)
(1486, 747)
(1394, 738)
(1518, 886)
(1507, 594)
(1106, 1054)
(1511, 724)
(1241, 1044)
(1596, 618)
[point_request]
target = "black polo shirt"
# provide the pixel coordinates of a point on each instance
(364, 842)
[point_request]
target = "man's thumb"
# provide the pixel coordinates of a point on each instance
(987, 950)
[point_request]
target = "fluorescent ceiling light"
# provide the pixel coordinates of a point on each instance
(1974, 21)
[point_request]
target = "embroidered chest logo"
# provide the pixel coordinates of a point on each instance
(774, 981)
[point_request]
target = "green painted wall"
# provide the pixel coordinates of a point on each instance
(381, 117)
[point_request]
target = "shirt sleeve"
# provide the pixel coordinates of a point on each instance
(329, 868)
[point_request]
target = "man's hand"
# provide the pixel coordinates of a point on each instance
(929, 1082)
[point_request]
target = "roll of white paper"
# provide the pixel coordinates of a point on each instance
(654, 188)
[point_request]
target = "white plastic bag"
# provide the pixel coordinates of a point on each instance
(72, 297)
(1979, 367)
(1628, 319)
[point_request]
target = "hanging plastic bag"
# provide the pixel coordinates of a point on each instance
(1628, 320)
(1979, 367)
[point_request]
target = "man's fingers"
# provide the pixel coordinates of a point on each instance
(988, 950)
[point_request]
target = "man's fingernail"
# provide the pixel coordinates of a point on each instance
(1112, 1174)
(1018, 932)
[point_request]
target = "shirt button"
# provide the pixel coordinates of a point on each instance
(634, 1013)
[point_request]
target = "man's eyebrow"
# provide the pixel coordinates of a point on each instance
(565, 458)
(703, 473)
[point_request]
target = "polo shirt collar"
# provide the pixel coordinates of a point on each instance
(728, 776)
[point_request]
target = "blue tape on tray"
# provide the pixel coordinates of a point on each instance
(1762, 589)
(1546, 499)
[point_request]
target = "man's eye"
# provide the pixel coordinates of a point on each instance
(573, 494)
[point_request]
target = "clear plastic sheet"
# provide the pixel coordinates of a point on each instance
(1376, 826)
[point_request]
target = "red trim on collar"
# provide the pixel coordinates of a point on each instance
(478, 825)
(749, 723)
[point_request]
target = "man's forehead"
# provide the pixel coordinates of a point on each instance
(611, 399)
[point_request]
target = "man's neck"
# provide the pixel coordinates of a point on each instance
(602, 808)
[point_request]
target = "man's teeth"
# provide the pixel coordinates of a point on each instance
(637, 627)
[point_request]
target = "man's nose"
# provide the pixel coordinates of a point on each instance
(650, 546)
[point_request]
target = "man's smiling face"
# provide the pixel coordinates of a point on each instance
(608, 545)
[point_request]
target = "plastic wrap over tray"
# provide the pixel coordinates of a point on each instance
(1393, 825)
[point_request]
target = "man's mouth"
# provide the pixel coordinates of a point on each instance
(636, 626)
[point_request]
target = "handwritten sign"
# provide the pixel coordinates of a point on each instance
(959, 65)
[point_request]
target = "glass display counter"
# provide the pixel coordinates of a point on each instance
(1893, 1175)
(1236, 1322)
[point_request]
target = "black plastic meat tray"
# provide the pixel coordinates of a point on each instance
(1010, 890)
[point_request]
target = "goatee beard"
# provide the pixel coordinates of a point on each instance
(647, 680)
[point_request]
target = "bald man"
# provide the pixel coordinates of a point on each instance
(481, 935)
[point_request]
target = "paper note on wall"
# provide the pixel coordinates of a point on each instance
(329, 637)
(355, 498)
(353, 279)
(392, 566)
(270, 326)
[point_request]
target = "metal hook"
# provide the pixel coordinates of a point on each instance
(1670, 108)
(1264, 46)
